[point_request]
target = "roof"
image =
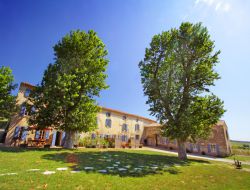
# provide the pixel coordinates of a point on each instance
(220, 122)
(127, 114)
(103, 108)
(153, 125)
(27, 84)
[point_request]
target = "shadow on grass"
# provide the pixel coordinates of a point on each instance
(121, 163)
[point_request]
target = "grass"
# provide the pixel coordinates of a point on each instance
(170, 174)
(240, 158)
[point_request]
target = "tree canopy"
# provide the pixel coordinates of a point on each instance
(177, 74)
(7, 100)
(65, 99)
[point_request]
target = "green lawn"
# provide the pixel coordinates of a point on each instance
(240, 158)
(158, 171)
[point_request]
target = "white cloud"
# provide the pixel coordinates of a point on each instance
(217, 5)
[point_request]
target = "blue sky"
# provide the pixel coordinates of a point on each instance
(29, 29)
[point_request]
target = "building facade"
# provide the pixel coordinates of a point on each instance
(124, 128)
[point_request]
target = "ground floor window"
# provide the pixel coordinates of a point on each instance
(124, 138)
(195, 148)
(213, 147)
(137, 137)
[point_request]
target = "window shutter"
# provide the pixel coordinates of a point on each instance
(37, 134)
(93, 135)
(53, 143)
(191, 147)
(23, 110)
(108, 123)
(17, 130)
(63, 138)
(24, 134)
(217, 149)
(208, 148)
(198, 147)
(47, 134)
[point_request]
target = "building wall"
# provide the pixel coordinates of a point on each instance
(114, 130)
(217, 144)
(149, 131)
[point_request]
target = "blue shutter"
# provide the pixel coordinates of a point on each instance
(46, 134)
(199, 148)
(23, 110)
(37, 134)
(93, 135)
(53, 139)
(191, 147)
(63, 138)
(217, 149)
(208, 148)
(16, 132)
(33, 109)
(24, 134)
(108, 123)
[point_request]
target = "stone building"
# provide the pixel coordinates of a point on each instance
(218, 144)
(124, 128)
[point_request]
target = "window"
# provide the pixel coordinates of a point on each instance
(137, 127)
(167, 140)
(124, 138)
(124, 117)
(23, 110)
(93, 135)
(195, 147)
(17, 131)
(108, 114)
(124, 127)
(213, 147)
(27, 92)
(108, 123)
(137, 137)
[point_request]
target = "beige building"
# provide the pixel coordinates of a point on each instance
(124, 128)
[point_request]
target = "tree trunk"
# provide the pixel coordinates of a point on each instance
(69, 139)
(182, 154)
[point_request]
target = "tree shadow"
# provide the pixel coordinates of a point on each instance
(121, 163)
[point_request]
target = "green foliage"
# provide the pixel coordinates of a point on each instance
(177, 74)
(65, 99)
(7, 100)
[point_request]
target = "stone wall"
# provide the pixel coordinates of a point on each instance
(217, 144)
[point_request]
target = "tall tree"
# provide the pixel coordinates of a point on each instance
(66, 97)
(176, 73)
(7, 100)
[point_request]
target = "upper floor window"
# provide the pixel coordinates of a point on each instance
(108, 114)
(23, 110)
(108, 123)
(124, 127)
(124, 117)
(27, 92)
(137, 127)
